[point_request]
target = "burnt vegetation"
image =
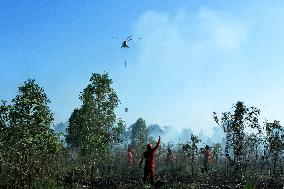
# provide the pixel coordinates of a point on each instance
(98, 151)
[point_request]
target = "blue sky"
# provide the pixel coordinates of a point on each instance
(195, 57)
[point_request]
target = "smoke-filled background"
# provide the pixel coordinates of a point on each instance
(194, 57)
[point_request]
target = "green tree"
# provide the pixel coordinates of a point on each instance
(74, 129)
(118, 132)
(274, 142)
(234, 124)
(191, 150)
(216, 153)
(138, 138)
(4, 124)
(92, 127)
(29, 145)
(139, 134)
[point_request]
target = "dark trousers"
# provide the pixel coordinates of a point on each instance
(148, 171)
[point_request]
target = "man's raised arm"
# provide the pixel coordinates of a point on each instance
(158, 144)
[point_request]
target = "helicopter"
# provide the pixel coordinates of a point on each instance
(124, 44)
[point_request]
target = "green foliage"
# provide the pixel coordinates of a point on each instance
(191, 149)
(28, 143)
(139, 133)
(234, 125)
(216, 153)
(118, 132)
(249, 186)
(74, 130)
(92, 125)
(94, 129)
(274, 141)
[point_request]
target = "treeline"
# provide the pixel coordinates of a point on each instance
(96, 154)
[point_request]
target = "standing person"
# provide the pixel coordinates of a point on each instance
(130, 159)
(169, 162)
(170, 157)
(207, 158)
(149, 156)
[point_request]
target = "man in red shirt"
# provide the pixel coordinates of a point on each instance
(149, 156)
(130, 159)
(170, 157)
(207, 158)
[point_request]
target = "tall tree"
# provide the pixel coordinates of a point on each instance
(31, 144)
(91, 127)
(234, 124)
(139, 134)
